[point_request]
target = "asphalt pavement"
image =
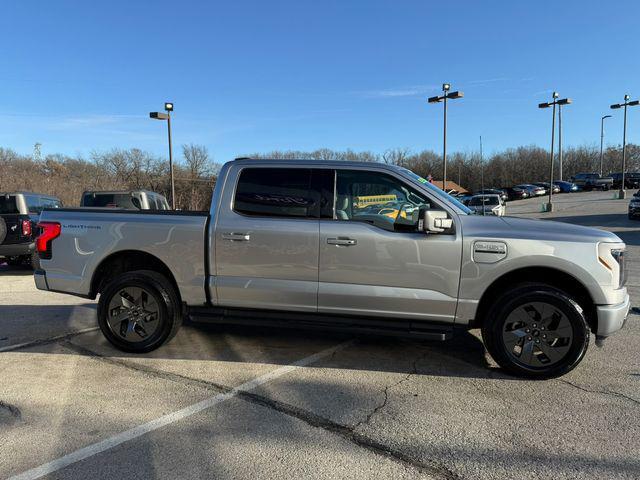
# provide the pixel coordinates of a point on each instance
(230, 402)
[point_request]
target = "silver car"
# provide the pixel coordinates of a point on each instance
(487, 205)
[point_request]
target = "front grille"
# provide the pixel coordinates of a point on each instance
(623, 269)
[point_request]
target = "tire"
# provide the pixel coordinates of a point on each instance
(35, 261)
(148, 307)
(3, 229)
(527, 344)
(14, 261)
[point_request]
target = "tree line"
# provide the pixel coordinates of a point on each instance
(67, 177)
(195, 172)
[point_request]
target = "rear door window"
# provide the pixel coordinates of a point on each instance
(8, 205)
(33, 203)
(277, 192)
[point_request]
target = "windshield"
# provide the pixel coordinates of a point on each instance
(488, 201)
(8, 204)
(439, 193)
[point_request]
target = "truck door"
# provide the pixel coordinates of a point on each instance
(266, 239)
(373, 261)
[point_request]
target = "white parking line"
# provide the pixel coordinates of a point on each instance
(170, 418)
(15, 346)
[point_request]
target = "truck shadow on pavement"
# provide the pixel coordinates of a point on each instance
(463, 356)
(15, 270)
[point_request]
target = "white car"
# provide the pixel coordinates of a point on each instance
(490, 204)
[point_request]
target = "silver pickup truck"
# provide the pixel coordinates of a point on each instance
(356, 246)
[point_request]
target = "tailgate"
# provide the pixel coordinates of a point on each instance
(14, 229)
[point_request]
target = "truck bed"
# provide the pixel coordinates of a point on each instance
(91, 236)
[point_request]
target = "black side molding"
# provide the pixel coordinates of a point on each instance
(315, 321)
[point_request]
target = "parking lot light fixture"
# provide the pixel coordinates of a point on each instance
(553, 103)
(564, 101)
(168, 107)
(627, 103)
(602, 139)
(443, 98)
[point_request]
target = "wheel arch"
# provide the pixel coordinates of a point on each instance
(128, 261)
(546, 275)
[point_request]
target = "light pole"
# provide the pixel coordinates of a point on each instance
(168, 106)
(626, 104)
(602, 138)
(559, 143)
(564, 101)
(481, 172)
(443, 98)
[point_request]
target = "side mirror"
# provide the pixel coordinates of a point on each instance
(434, 221)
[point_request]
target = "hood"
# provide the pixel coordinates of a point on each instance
(533, 229)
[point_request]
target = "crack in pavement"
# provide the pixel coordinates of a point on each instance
(12, 409)
(602, 392)
(379, 407)
(146, 370)
(47, 341)
(430, 467)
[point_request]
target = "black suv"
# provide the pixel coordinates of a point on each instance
(19, 214)
(631, 179)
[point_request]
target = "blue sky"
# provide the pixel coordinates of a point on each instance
(257, 76)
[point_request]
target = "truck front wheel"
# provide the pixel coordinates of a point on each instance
(536, 331)
(139, 311)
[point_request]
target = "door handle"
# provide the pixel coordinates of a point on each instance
(342, 241)
(236, 237)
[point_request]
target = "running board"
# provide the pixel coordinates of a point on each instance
(315, 321)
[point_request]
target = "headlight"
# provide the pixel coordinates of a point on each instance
(612, 257)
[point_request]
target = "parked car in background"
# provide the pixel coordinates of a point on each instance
(19, 215)
(293, 243)
(533, 190)
(631, 180)
(545, 185)
(566, 187)
(464, 198)
(516, 193)
(127, 200)
(592, 181)
(634, 206)
(494, 191)
(490, 204)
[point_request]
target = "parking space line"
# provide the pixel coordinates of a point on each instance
(17, 346)
(170, 418)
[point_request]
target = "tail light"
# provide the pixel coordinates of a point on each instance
(49, 231)
(26, 228)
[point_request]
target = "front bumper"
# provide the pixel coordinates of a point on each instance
(17, 249)
(634, 211)
(611, 318)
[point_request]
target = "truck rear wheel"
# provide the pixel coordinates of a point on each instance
(536, 331)
(139, 311)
